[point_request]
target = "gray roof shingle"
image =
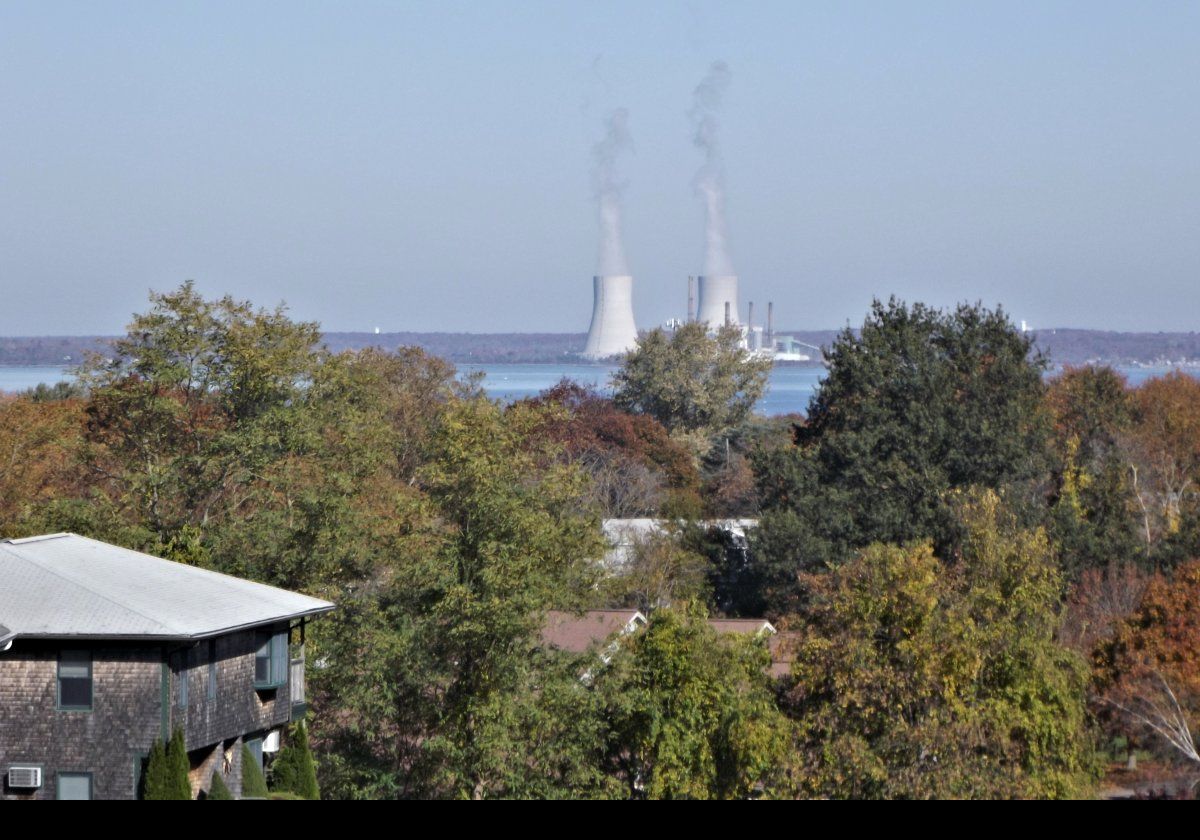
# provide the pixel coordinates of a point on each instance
(65, 585)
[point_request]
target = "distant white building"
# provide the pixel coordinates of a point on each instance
(624, 535)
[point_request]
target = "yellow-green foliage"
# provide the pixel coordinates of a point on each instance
(919, 680)
(692, 713)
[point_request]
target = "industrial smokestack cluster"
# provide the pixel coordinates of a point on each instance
(713, 296)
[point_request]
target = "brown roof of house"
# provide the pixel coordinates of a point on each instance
(741, 625)
(576, 633)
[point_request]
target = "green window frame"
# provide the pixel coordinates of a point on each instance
(74, 691)
(271, 660)
(60, 777)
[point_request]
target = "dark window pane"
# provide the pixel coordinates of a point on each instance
(75, 693)
(75, 679)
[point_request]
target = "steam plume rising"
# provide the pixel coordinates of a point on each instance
(608, 191)
(710, 179)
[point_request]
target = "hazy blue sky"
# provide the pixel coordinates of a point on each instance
(427, 166)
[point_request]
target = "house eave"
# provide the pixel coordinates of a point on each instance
(168, 637)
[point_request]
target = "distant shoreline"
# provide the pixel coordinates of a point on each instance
(1064, 346)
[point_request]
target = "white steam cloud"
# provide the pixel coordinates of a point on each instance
(608, 189)
(710, 179)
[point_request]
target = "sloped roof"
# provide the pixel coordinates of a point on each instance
(755, 626)
(576, 633)
(68, 586)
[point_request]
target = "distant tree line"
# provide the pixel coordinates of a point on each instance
(1062, 346)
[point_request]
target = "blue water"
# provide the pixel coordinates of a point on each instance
(21, 378)
(788, 391)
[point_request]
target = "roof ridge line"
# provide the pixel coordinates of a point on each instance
(199, 569)
(91, 591)
(38, 538)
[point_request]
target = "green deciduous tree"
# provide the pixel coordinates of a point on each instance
(1092, 517)
(692, 714)
(436, 672)
(917, 680)
(920, 403)
(692, 381)
(195, 402)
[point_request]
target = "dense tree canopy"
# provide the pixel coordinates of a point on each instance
(693, 715)
(692, 381)
(913, 680)
(916, 405)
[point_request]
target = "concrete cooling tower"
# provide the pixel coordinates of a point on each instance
(613, 331)
(716, 291)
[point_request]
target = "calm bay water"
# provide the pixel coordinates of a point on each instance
(788, 392)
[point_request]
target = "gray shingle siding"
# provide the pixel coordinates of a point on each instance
(127, 711)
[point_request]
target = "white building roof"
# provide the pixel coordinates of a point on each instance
(65, 585)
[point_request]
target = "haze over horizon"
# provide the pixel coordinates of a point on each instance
(429, 167)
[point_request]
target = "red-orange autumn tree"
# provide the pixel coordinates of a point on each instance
(1164, 450)
(1149, 671)
(39, 449)
(636, 468)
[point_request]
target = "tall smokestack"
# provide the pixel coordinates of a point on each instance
(691, 298)
(771, 324)
(750, 315)
(727, 321)
(612, 331)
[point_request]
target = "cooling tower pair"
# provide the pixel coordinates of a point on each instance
(613, 330)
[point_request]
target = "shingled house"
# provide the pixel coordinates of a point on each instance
(103, 650)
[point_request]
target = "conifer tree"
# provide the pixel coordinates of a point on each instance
(254, 784)
(294, 770)
(177, 759)
(167, 770)
(217, 789)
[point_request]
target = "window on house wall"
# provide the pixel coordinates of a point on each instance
(271, 660)
(75, 680)
(210, 689)
(73, 786)
(183, 670)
